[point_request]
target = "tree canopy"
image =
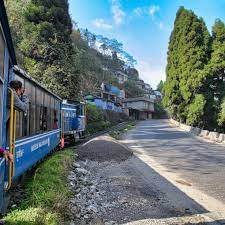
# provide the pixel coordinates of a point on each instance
(194, 90)
(188, 54)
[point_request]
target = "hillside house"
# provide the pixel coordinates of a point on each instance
(139, 108)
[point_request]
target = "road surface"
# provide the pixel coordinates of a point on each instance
(194, 166)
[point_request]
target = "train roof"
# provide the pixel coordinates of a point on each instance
(22, 73)
(7, 33)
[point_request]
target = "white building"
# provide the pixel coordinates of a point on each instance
(139, 108)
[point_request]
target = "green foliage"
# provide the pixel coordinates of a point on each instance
(41, 33)
(132, 90)
(47, 193)
(188, 53)
(214, 86)
(196, 110)
(32, 216)
(159, 111)
(221, 115)
(95, 119)
(48, 186)
(160, 86)
(94, 114)
(89, 64)
(98, 120)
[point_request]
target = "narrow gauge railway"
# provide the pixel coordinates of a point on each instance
(30, 136)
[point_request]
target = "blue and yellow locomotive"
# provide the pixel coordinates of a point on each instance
(32, 135)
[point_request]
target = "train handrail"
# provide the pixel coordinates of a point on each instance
(12, 138)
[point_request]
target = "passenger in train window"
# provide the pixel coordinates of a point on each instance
(6, 154)
(21, 101)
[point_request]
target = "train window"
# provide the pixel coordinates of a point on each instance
(46, 113)
(44, 119)
(32, 117)
(30, 92)
(38, 119)
(19, 124)
(50, 113)
(55, 119)
(39, 109)
(2, 54)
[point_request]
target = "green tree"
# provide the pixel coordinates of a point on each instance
(196, 110)
(214, 87)
(188, 54)
(43, 39)
(221, 115)
(160, 86)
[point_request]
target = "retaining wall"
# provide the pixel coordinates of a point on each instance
(206, 134)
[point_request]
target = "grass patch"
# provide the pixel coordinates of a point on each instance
(117, 133)
(47, 193)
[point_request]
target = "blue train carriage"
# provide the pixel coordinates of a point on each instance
(74, 120)
(70, 121)
(37, 132)
(7, 60)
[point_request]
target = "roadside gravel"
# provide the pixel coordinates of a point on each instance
(109, 188)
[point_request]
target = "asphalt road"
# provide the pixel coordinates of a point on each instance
(192, 165)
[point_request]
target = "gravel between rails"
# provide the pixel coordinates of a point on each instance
(109, 189)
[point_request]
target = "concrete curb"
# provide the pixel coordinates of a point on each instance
(204, 134)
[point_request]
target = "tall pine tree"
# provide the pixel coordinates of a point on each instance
(188, 54)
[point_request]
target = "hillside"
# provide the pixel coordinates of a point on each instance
(70, 61)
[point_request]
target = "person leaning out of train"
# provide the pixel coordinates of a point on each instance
(21, 101)
(6, 154)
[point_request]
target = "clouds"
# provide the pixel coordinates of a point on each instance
(117, 12)
(151, 11)
(139, 11)
(101, 24)
(117, 17)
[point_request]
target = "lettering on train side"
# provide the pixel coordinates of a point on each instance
(40, 144)
(19, 154)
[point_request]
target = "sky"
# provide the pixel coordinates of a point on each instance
(143, 26)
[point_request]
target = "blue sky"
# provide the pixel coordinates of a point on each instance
(143, 26)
